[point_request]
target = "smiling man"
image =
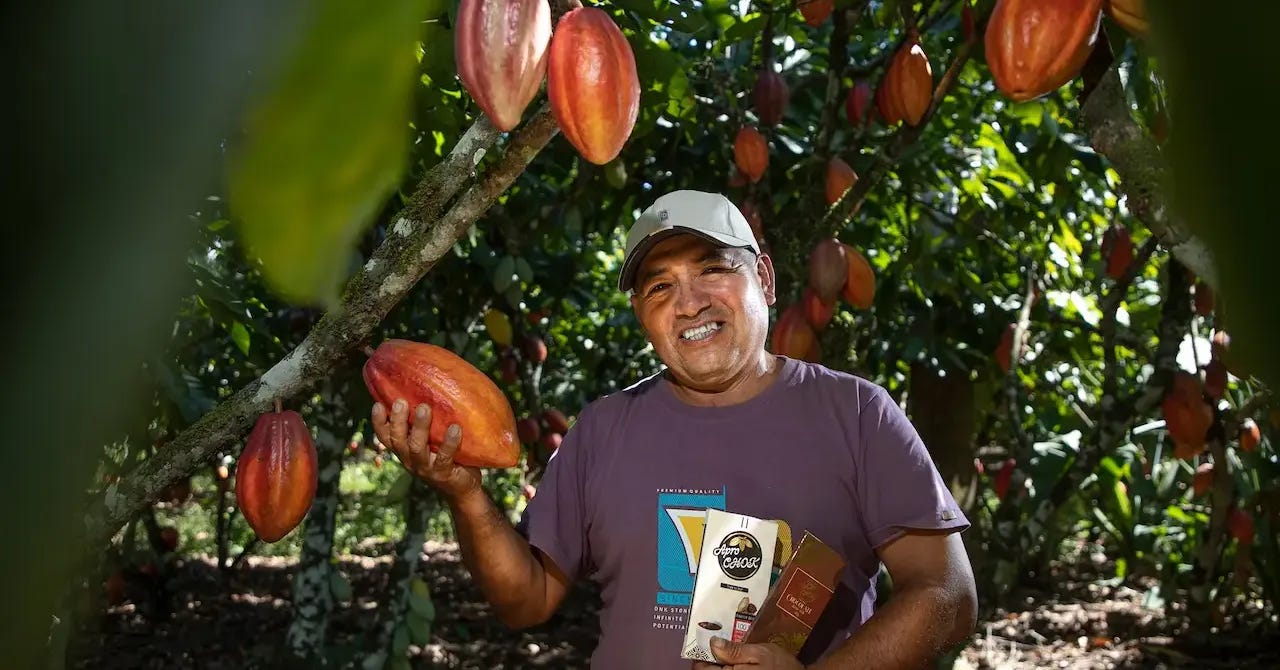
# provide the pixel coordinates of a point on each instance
(730, 426)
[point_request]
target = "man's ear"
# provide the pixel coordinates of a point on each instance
(764, 269)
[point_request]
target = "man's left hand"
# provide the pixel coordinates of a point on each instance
(741, 655)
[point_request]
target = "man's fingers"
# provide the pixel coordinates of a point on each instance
(399, 425)
(417, 451)
(444, 455)
(381, 425)
(728, 652)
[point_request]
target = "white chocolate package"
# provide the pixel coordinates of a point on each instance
(732, 580)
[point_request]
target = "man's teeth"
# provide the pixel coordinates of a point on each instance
(700, 332)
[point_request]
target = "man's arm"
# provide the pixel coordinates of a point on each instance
(933, 606)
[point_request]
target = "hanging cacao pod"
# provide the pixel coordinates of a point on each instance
(1240, 525)
(860, 283)
(1117, 250)
(828, 269)
(817, 311)
(1186, 414)
(967, 24)
(557, 422)
(276, 474)
(770, 96)
(1203, 299)
(1250, 435)
(455, 391)
(908, 82)
(500, 47)
(1202, 481)
(793, 337)
(1034, 47)
(1130, 14)
(816, 11)
(855, 104)
(528, 430)
(1215, 379)
(888, 111)
(840, 178)
(592, 83)
(751, 153)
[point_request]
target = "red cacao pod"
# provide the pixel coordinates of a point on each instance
(816, 311)
(816, 11)
(276, 474)
(500, 47)
(1117, 250)
(828, 269)
(1240, 525)
(1250, 436)
(1004, 348)
(860, 282)
(793, 337)
(1203, 480)
(1215, 379)
(592, 83)
(1203, 299)
(840, 178)
(1004, 477)
(889, 112)
(169, 538)
(509, 368)
(534, 348)
(855, 104)
(556, 420)
(551, 442)
(528, 430)
(455, 391)
(1186, 414)
(1034, 47)
(1130, 14)
(751, 153)
(967, 23)
(770, 96)
(908, 82)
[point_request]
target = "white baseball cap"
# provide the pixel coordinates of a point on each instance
(708, 215)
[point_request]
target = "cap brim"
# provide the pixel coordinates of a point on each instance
(632, 262)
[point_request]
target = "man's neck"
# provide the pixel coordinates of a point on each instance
(747, 386)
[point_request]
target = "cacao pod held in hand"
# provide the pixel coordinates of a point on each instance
(908, 82)
(592, 83)
(1033, 47)
(751, 153)
(840, 178)
(828, 269)
(1130, 14)
(860, 282)
(276, 474)
(455, 391)
(793, 337)
(770, 96)
(501, 50)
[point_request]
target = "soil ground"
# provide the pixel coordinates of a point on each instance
(240, 624)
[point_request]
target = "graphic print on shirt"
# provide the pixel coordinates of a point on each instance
(681, 520)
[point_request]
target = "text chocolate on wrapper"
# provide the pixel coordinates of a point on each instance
(732, 580)
(799, 596)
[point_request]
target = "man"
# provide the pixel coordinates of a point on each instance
(730, 426)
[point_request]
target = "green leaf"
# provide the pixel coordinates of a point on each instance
(326, 145)
(399, 663)
(420, 603)
(400, 640)
(240, 336)
(523, 271)
(746, 29)
(339, 585)
(419, 630)
(503, 274)
(399, 488)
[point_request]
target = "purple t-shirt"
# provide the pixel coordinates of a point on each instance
(820, 450)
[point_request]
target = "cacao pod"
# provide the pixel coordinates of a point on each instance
(528, 430)
(592, 83)
(751, 153)
(793, 337)
(840, 178)
(1117, 250)
(1203, 480)
(500, 47)
(751, 213)
(1186, 414)
(115, 587)
(816, 11)
(908, 82)
(770, 96)
(814, 354)
(860, 282)
(276, 474)
(534, 348)
(1004, 348)
(828, 268)
(1130, 14)
(736, 179)
(1034, 47)
(1215, 379)
(817, 312)
(169, 538)
(1004, 477)
(551, 442)
(967, 24)
(1250, 436)
(556, 420)
(855, 104)
(508, 367)
(1203, 299)
(456, 392)
(889, 113)
(498, 326)
(1240, 524)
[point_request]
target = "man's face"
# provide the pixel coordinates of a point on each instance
(704, 308)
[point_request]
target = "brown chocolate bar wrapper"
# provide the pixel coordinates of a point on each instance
(799, 597)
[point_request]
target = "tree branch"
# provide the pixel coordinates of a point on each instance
(836, 62)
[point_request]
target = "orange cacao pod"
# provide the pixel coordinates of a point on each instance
(1250, 436)
(501, 50)
(828, 269)
(556, 420)
(751, 153)
(793, 337)
(1203, 480)
(592, 83)
(1186, 414)
(276, 474)
(770, 96)
(840, 178)
(1117, 249)
(855, 104)
(889, 112)
(908, 82)
(816, 311)
(1130, 14)
(860, 282)
(816, 11)
(455, 391)
(1004, 349)
(1033, 47)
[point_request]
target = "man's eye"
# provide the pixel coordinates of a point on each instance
(655, 288)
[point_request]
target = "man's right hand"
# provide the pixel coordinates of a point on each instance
(407, 437)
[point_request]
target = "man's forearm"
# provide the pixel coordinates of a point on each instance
(916, 627)
(500, 560)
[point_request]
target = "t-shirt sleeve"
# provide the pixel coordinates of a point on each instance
(898, 486)
(554, 522)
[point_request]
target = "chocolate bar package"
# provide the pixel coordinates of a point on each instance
(799, 596)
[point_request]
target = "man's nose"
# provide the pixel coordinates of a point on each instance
(691, 299)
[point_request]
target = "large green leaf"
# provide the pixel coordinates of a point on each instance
(326, 144)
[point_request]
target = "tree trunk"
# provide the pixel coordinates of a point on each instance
(312, 595)
(390, 633)
(943, 410)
